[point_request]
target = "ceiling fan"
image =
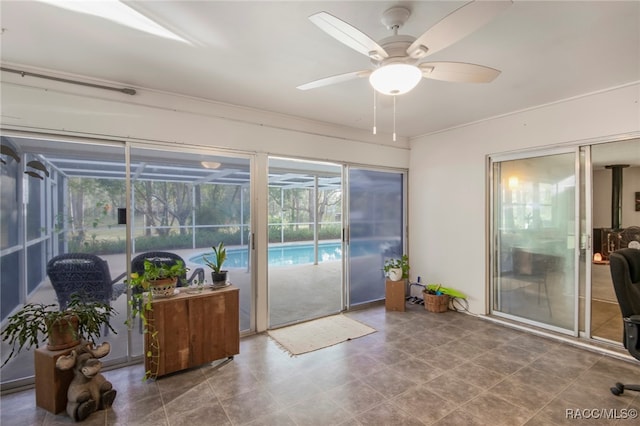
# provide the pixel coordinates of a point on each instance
(395, 58)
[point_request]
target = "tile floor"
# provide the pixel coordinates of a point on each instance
(419, 368)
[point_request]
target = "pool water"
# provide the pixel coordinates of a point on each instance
(302, 253)
(280, 255)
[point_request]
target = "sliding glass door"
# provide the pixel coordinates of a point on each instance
(612, 170)
(375, 230)
(534, 238)
(187, 202)
(60, 198)
(305, 247)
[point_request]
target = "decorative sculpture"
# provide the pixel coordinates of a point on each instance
(89, 390)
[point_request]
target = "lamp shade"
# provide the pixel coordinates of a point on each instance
(395, 79)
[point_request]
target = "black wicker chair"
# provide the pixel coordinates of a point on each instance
(86, 275)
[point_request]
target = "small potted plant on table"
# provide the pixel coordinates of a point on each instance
(159, 278)
(218, 276)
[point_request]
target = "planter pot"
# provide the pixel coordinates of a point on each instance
(395, 274)
(219, 278)
(63, 333)
(163, 288)
(436, 302)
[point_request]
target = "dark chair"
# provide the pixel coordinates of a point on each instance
(625, 273)
(86, 275)
(169, 259)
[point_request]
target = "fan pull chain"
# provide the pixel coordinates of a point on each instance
(375, 112)
(394, 118)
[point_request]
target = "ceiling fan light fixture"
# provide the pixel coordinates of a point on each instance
(395, 79)
(419, 52)
(375, 55)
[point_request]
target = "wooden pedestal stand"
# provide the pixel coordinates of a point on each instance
(395, 295)
(51, 384)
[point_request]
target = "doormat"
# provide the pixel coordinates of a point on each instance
(317, 334)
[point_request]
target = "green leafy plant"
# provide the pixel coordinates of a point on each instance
(32, 324)
(153, 271)
(159, 271)
(398, 263)
(219, 256)
(141, 302)
(438, 289)
(433, 289)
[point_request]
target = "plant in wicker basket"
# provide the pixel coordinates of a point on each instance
(435, 300)
(158, 280)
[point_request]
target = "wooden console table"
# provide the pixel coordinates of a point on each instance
(193, 329)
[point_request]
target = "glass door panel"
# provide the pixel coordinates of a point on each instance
(185, 203)
(615, 224)
(305, 247)
(376, 225)
(534, 225)
(66, 204)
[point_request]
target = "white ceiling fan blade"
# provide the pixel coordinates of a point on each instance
(458, 72)
(455, 26)
(334, 79)
(349, 35)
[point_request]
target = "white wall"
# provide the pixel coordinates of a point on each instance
(60, 108)
(448, 180)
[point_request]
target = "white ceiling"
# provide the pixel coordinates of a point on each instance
(255, 54)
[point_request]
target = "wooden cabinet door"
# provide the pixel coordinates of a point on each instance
(192, 329)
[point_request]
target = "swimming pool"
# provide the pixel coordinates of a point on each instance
(280, 255)
(302, 253)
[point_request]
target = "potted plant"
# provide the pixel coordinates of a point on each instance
(435, 300)
(397, 269)
(158, 279)
(218, 276)
(37, 322)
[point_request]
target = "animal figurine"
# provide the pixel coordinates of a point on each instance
(89, 390)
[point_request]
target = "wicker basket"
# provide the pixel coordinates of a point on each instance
(436, 302)
(163, 287)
